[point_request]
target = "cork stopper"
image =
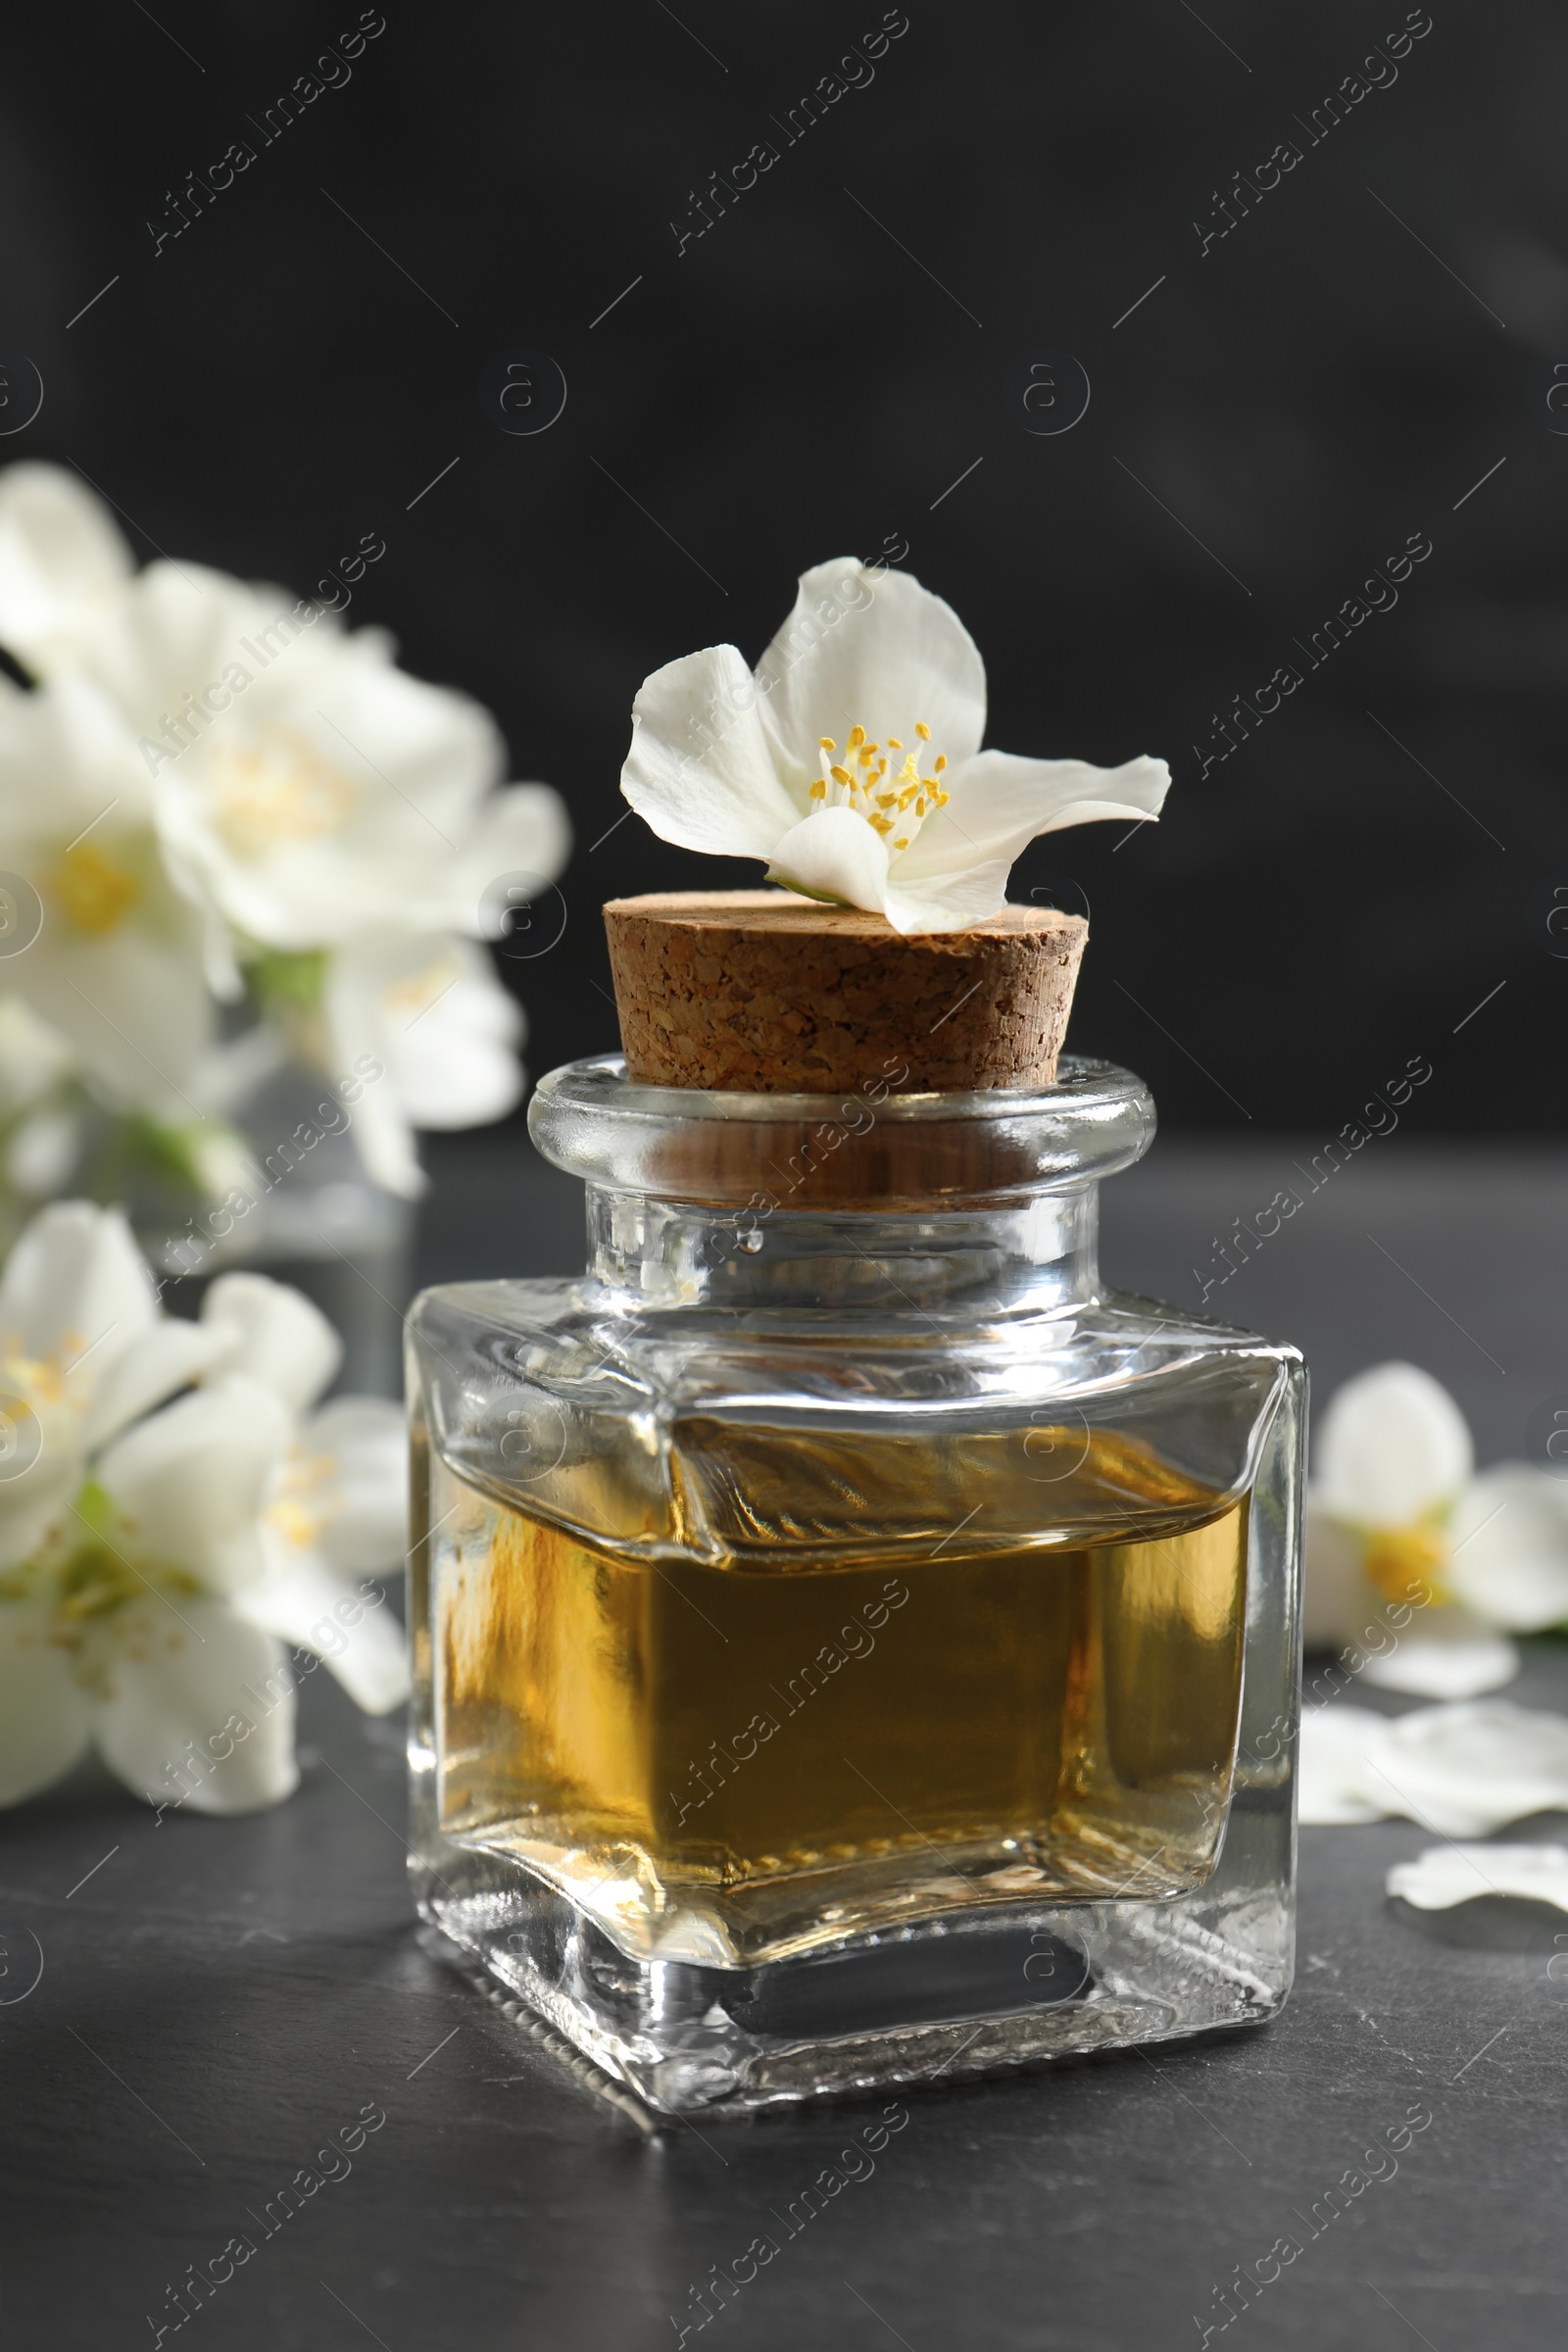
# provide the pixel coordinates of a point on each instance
(761, 991)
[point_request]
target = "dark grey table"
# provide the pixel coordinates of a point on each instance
(219, 1998)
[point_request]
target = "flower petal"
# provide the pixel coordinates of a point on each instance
(523, 830)
(450, 1034)
(135, 1007)
(1464, 1771)
(38, 1502)
(872, 649)
(955, 871)
(1445, 1875)
(62, 561)
(273, 1334)
(45, 1716)
(834, 854)
(1333, 1767)
(1391, 1447)
(359, 1449)
(193, 1479)
(76, 1290)
(1509, 1561)
(212, 1685)
(1334, 1588)
(1000, 802)
(358, 1640)
(163, 1359)
(698, 771)
(441, 1033)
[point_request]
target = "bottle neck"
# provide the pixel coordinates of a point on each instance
(1034, 1254)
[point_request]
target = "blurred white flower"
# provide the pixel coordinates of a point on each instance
(1403, 1538)
(307, 791)
(217, 785)
(851, 759)
(154, 1544)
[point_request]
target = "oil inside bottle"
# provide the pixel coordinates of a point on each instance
(870, 1680)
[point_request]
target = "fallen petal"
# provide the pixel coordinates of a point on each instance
(1445, 1875)
(1333, 1766)
(1445, 1653)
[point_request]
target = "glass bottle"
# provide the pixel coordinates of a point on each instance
(851, 1646)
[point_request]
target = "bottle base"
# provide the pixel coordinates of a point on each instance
(1003, 1987)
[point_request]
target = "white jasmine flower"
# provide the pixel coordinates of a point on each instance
(317, 797)
(851, 761)
(155, 1544)
(268, 794)
(1445, 1875)
(1418, 1564)
(1461, 1769)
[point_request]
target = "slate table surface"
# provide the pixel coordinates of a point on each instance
(218, 1997)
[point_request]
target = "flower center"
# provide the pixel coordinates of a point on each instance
(1404, 1563)
(38, 1379)
(894, 802)
(92, 892)
(280, 789)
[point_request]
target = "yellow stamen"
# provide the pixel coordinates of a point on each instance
(826, 743)
(93, 893)
(1401, 1561)
(866, 787)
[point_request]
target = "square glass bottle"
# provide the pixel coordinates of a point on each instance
(851, 1644)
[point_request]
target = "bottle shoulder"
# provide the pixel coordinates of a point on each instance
(536, 1391)
(1107, 1334)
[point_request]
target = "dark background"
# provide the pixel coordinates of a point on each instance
(804, 380)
